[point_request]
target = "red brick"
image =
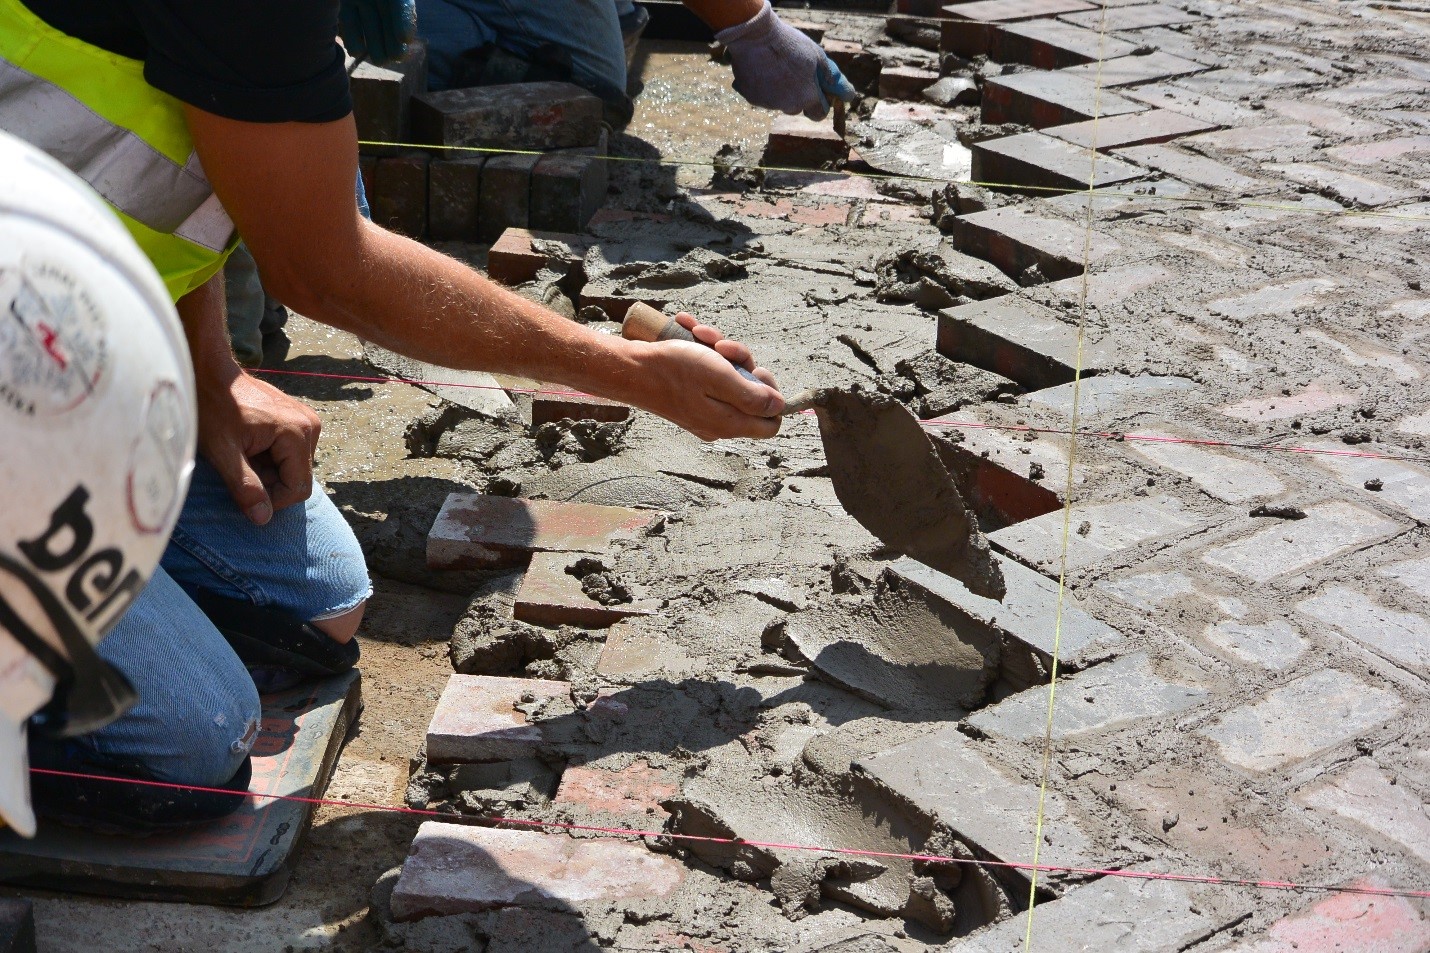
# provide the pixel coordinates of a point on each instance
(1132, 129)
(1312, 400)
(1130, 70)
(506, 194)
(1333, 121)
(905, 82)
(1138, 17)
(1001, 496)
(399, 196)
(860, 66)
(1370, 799)
(1019, 339)
(1032, 160)
(549, 408)
(475, 531)
(513, 260)
(1347, 922)
(815, 31)
(457, 868)
(382, 97)
(1014, 239)
(477, 719)
(1374, 153)
(566, 190)
(1038, 99)
(520, 116)
(549, 595)
(634, 791)
(1051, 44)
(803, 143)
(453, 199)
(1004, 11)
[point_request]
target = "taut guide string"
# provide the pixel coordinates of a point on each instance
(1113, 435)
(1047, 765)
(552, 826)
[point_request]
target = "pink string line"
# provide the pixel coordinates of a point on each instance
(741, 842)
(972, 425)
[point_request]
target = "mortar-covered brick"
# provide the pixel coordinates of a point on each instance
(1110, 395)
(1125, 914)
(1192, 168)
(1104, 697)
(1052, 44)
(1138, 17)
(1019, 339)
(1335, 122)
(519, 116)
(549, 408)
(1131, 70)
(634, 791)
(474, 530)
(1219, 822)
(1101, 531)
(1005, 11)
(804, 143)
(1404, 486)
(1401, 637)
(615, 301)
(1343, 186)
(1038, 98)
(506, 194)
(1036, 162)
(1347, 922)
(1375, 153)
(1302, 718)
(905, 82)
(566, 190)
(519, 254)
(994, 468)
(1222, 474)
(477, 718)
(1376, 801)
(1312, 400)
(399, 195)
(1015, 239)
(552, 595)
(454, 188)
(1132, 129)
(1197, 105)
(456, 868)
(1024, 619)
(1283, 546)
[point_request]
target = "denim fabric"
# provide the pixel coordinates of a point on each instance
(198, 710)
(588, 29)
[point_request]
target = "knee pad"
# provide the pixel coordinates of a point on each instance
(116, 807)
(272, 640)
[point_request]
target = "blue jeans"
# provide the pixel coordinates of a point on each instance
(589, 29)
(198, 711)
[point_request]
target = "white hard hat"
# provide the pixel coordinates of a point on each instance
(97, 430)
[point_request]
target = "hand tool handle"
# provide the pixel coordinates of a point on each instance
(644, 323)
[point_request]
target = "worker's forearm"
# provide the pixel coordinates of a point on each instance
(202, 314)
(409, 298)
(723, 14)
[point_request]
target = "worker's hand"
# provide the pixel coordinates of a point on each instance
(695, 386)
(377, 29)
(778, 67)
(261, 441)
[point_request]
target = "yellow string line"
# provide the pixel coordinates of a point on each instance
(1068, 488)
(1190, 198)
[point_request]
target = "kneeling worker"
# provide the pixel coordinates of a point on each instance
(200, 122)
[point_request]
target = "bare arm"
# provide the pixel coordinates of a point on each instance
(289, 189)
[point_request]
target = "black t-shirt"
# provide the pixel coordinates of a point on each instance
(251, 60)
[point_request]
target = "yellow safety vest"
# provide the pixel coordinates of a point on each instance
(93, 111)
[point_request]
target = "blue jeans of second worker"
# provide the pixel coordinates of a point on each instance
(198, 711)
(589, 30)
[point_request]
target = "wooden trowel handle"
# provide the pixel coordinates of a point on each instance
(644, 323)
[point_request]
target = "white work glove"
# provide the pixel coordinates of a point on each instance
(778, 67)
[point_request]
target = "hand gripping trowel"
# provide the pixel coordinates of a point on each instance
(886, 472)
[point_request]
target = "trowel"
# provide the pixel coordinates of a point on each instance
(885, 470)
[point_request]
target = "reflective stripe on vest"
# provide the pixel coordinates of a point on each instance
(130, 174)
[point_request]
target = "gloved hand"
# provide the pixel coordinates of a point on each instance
(377, 29)
(778, 67)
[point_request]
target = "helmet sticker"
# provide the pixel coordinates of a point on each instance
(159, 460)
(54, 345)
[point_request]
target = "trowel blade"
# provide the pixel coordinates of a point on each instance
(888, 476)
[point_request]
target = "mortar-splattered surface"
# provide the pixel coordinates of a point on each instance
(1261, 713)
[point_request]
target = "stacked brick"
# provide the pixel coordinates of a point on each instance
(466, 164)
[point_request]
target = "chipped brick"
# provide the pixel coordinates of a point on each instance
(633, 791)
(519, 255)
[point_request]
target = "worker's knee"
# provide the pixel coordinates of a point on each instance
(211, 738)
